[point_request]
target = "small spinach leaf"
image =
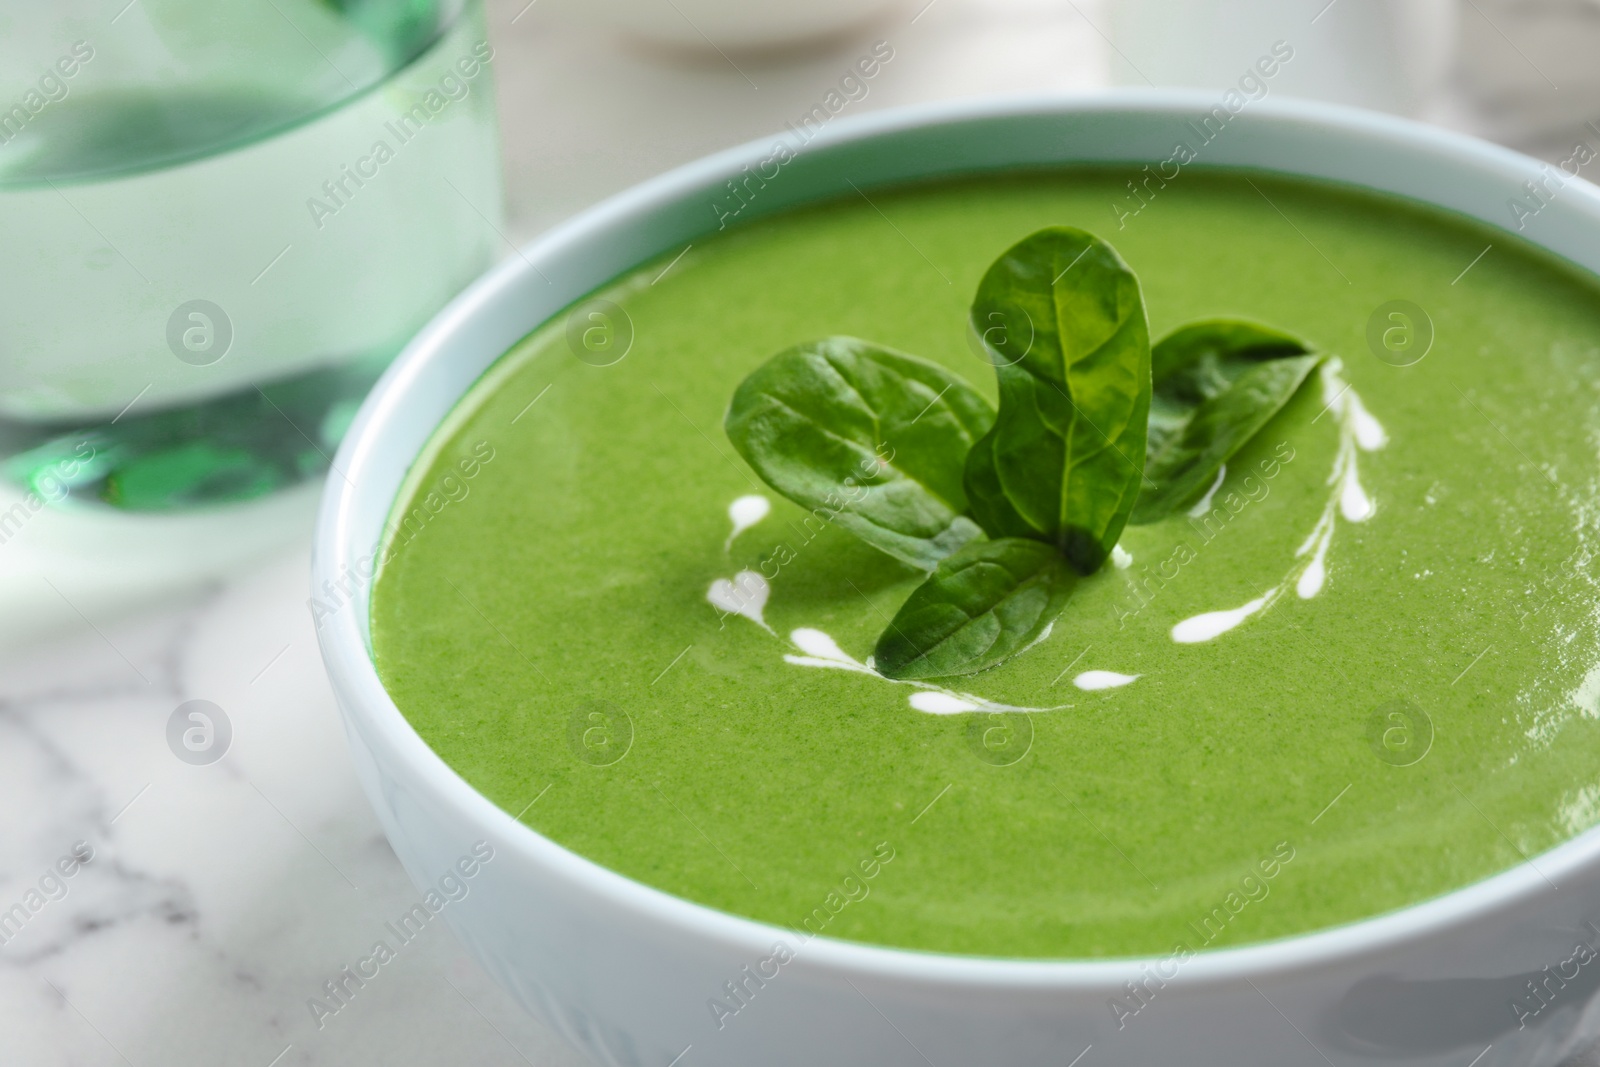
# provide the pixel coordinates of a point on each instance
(867, 437)
(1216, 384)
(1061, 318)
(982, 604)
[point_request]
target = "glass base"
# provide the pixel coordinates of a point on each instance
(231, 448)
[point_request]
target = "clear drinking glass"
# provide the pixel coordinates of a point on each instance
(219, 221)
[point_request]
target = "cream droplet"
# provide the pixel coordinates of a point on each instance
(1309, 584)
(1203, 505)
(746, 595)
(1093, 681)
(818, 644)
(1213, 624)
(941, 703)
(1121, 558)
(744, 513)
(1354, 503)
(1368, 430)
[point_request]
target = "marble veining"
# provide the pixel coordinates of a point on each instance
(220, 897)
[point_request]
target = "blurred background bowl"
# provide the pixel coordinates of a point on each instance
(739, 25)
(1390, 55)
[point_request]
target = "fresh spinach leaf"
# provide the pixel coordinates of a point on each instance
(1061, 317)
(1200, 359)
(866, 437)
(1095, 429)
(982, 604)
(1216, 384)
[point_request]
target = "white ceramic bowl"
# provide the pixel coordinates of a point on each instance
(625, 971)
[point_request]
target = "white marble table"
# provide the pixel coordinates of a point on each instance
(221, 896)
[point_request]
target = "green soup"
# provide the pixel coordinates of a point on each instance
(1362, 673)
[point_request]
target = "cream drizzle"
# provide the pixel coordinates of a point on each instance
(1203, 505)
(941, 704)
(744, 513)
(821, 650)
(1198, 628)
(747, 593)
(1359, 432)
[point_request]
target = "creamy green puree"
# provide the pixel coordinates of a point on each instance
(1401, 697)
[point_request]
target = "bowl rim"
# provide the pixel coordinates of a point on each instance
(364, 701)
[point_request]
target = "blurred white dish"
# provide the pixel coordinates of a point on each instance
(739, 24)
(1391, 55)
(1528, 69)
